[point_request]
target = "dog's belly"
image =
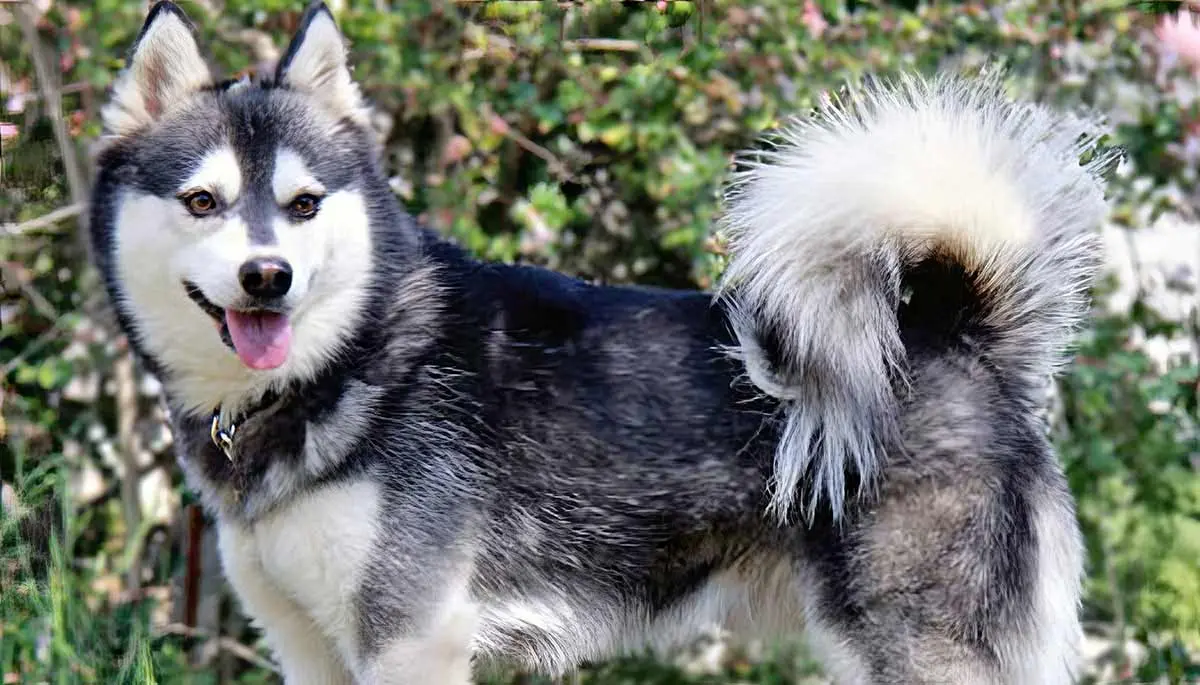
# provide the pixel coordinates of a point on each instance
(554, 631)
(307, 560)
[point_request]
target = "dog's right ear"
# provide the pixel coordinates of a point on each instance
(164, 68)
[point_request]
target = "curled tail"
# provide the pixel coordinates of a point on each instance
(943, 177)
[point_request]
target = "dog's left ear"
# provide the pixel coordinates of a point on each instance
(315, 64)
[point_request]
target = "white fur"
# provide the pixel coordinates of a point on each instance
(159, 245)
(440, 652)
(292, 178)
(297, 571)
(840, 660)
(166, 68)
(1049, 651)
(758, 600)
(820, 227)
(319, 68)
(219, 173)
(549, 614)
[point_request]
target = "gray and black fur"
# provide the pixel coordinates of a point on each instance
(499, 463)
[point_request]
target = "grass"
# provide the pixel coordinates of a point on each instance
(64, 622)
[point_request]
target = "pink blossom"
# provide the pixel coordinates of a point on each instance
(813, 19)
(498, 125)
(8, 131)
(1179, 38)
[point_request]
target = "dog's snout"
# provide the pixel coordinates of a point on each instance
(265, 277)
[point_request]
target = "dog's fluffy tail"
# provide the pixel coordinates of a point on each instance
(939, 207)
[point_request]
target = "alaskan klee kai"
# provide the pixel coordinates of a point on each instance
(421, 464)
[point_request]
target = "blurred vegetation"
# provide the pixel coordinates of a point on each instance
(590, 137)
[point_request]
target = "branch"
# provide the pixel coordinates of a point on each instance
(603, 45)
(261, 44)
(113, 488)
(45, 338)
(227, 644)
(557, 167)
(45, 67)
(127, 438)
(77, 87)
(44, 221)
(40, 304)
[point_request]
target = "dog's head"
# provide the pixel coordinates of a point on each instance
(232, 219)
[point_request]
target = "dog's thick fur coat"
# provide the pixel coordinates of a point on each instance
(460, 463)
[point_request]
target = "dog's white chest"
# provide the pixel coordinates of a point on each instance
(310, 554)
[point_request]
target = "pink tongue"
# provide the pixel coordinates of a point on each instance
(262, 339)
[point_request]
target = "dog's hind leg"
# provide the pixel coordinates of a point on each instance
(906, 602)
(965, 568)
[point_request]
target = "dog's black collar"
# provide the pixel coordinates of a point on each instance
(222, 437)
(222, 432)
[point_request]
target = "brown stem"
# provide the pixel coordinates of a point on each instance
(191, 579)
(127, 438)
(226, 644)
(44, 67)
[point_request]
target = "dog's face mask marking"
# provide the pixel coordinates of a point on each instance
(242, 239)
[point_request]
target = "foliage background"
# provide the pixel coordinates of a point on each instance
(591, 137)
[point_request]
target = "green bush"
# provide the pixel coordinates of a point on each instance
(512, 129)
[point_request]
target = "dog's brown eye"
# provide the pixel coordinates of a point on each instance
(304, 206)
(200, 203)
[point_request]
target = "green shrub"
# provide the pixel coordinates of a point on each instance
(507, 130)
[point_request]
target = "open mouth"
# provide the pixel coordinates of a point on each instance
(261, 338)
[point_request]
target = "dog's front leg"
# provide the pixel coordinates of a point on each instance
(438, 652)
(305, 656)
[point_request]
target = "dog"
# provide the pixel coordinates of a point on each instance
(421, 464)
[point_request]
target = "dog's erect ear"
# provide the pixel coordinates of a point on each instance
(164, 67)
(315, 64)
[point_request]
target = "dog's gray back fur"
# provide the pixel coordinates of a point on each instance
(501, 463)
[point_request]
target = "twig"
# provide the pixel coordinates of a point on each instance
(45, 68)
(45, 221)
(1118, 607)
(38, 300)
(603, 45)
(227, 644)
(127, 438)
(260, 42)
(45, 338)
(113, 489)
(77, 87)
(556, 165)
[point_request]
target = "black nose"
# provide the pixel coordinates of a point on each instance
(265, 277)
